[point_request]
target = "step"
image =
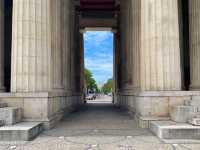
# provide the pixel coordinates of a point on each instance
(144, 121)
(10, 115)
(195, 121)
(24, 131)
(183, 113)
(173, 130)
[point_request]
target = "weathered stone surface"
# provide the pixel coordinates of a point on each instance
(182, 113)
(152, 106)
(10, 115)
(173, 130)
(144, 122)
(194, 17)
(1, 123)
(2, 105)
(194, 121)
(2, 45)
(195, 101)
(20, 132)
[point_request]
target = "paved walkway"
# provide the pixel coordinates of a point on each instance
(97, 127)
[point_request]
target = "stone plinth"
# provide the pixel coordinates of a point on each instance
(2, 105)
(195, 121)
(10, 115)
(173, 130)
(23, 131)
(154, 105)
(182, 113)
(47, 108)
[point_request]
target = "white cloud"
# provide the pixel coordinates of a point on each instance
(99, 64)
(99, 54)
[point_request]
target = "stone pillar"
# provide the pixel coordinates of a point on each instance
(130, 15)
(73, 44)
(160, 47)
(2, 88)
(125, 44)
(66, 45)
(81, 62)
(36, 46)
(194, 24)
(31, 46)
(56, 43)
(116, 67)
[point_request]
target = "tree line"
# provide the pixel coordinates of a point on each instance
(91, 85)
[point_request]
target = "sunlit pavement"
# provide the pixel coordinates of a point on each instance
(97, 126)
(101, 99)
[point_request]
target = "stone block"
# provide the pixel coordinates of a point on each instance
(173, 130)
(2, 105)
(1, 123)
(179, 100)
(35, 108)
(10, 115)
(23, 131)
(194, 121)
(144, 122)
(152, 106)
(182, 113)
(196, 102)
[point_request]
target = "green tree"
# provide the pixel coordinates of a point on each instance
(107, 87)
(90, 83)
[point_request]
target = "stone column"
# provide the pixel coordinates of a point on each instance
(194, 24)
(160, 47)
(73, 44)
(125, 43)
(130, 41)
(56, 44)
(2, 88)
(31, 46)
(66, 39)
(75, 53)
(81, 62)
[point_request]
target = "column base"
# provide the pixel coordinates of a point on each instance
(194, 88)
(154, 105)
(48, 108)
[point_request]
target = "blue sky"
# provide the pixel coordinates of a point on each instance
(98, 54)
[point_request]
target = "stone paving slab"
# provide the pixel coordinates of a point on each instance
(111, 129)
(23, 131)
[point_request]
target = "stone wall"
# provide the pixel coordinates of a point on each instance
(148, 106)
(48, 108)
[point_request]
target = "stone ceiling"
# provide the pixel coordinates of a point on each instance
(98, 13)
(104, 5)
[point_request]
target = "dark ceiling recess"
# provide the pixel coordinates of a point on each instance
(97, 8)
(97, 5)
(97, 12)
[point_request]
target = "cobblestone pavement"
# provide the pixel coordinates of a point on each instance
(98, 127)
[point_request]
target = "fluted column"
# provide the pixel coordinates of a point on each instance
(31, 46)
(56, 45)
(2, 88)
(194, 24)
(66, 43)
(160, 49)
(81, 62)
(125, 28)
